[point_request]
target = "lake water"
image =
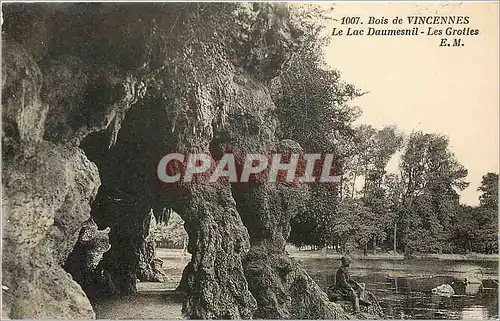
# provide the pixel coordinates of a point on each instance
(403, 287)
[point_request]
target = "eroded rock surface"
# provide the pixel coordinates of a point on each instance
(150, 267)
(122, 85)
(47, 191)
(83, 261)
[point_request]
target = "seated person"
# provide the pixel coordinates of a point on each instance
(346, 288)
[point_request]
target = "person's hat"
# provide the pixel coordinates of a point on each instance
(345, 259)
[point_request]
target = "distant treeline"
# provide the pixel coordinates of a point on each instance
(415, 210)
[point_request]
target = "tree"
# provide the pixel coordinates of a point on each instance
(313, 108)
(385, 143)
(489, 190)
(352, 224)
(393, 185)
(430, 175)
(370, 151)
(315, 225)
(363, 150)
(465, 236)
(487, 213)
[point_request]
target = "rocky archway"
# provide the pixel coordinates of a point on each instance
(130, 188)
(93, 96)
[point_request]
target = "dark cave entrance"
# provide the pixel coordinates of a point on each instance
(133, 202)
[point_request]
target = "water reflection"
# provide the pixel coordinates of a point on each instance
(404, 287)
(466, 287)
(475, 313)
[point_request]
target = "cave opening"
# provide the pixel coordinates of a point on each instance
(79, 74)
(164, 255)
(162, 259)
(133, 203)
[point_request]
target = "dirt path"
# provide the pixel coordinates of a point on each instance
(142, 305)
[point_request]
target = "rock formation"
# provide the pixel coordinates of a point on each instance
(93, 95)
(150, 267)
(47, 191)
(83, 261)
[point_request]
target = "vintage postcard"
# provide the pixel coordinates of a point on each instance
(250, 160)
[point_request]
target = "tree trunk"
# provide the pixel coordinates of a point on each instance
(341, 189)
(395, 242)
(354, 184)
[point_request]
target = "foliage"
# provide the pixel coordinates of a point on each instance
(315, 226)
(313, 107)
(487, 214)
(352, 223)
(489, 189)
(430, 175)
(417, 209)
(421, 202)
(172, 232)
(312, 101)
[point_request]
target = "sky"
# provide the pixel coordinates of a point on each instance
(416, 85)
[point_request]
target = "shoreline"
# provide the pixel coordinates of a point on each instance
(330, 254)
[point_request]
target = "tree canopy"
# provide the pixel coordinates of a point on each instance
(416, 209)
